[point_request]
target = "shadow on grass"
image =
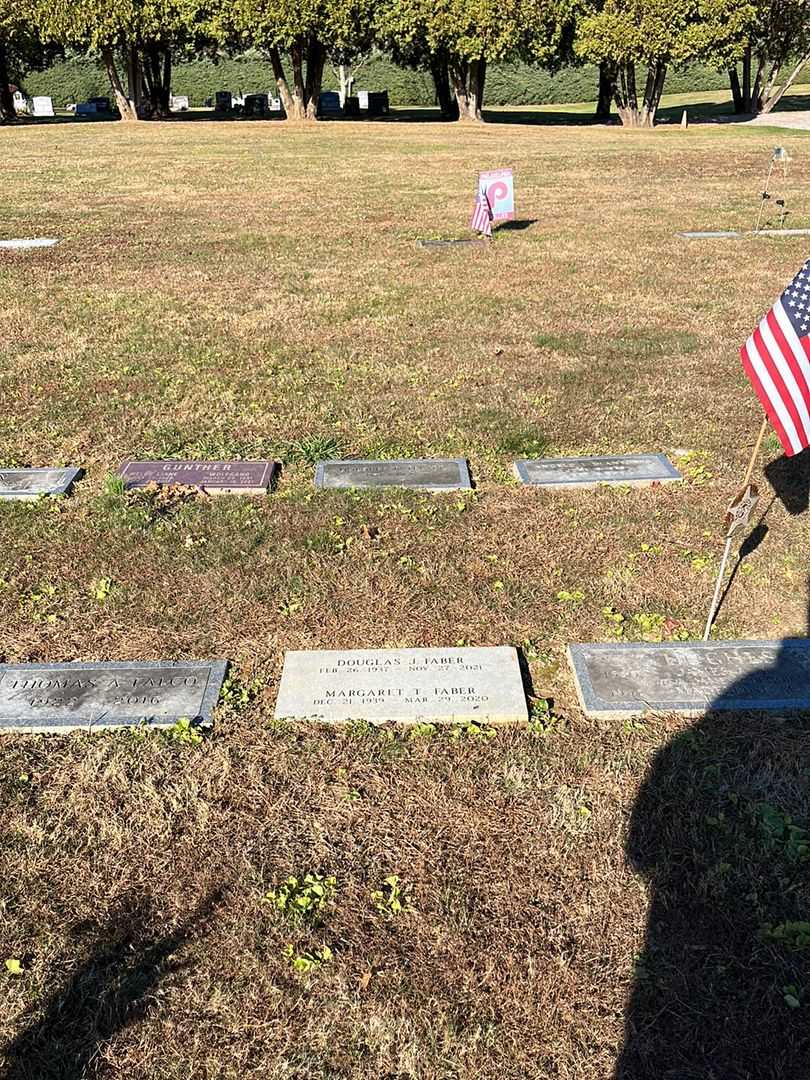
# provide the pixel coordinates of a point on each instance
(114, 987)
(721, 831)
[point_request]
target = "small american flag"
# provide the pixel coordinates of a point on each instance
(482, 216)
(776, 359)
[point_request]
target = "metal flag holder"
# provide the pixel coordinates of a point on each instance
(782, 157)
(738, 516)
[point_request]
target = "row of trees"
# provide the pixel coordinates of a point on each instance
(763, 44)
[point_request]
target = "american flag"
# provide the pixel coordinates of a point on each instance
(482, 216)
(776, 359)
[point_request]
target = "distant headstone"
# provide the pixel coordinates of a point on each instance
(41, 106)
(178, 103)
(30, 484)
(707, 235)
(256, 104)
(223, 101)
(329, 103)
(782, 232)
(630, 470)
(373, 102)
(33, 242)
(212, 477)
(72, 696)
(620, 680)
(86, 108)
(405, 685)
(499, 189)
(437, 474)
(453, 243)
(276, 105)
(685, 120)
(21, 102)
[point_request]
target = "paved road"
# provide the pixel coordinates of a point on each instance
(800, 120)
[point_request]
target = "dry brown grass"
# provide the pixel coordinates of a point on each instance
(234, 288)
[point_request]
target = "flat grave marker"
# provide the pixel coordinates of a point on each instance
(424, 474)
(623, 679)
(30, 484)
(25, 244)
(211, 477)
(78, 696)
(754, 232)
(454, 685)
(625, 470)
(453, 243)
(707, 235)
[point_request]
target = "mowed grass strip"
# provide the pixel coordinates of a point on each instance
(248, 290)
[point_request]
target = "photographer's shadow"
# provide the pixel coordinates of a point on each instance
(721, 831)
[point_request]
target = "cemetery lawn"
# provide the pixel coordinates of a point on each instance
(245, 289)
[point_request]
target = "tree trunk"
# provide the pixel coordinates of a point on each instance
(448, 106)
(656, 74)
(736, 90)
(126, 106)
(468, 83)
(626, 96)
(316, 58)
(772, 96)
(298, 100)
(157, 71)
(607, 89)
(7, 111)
(166, 88)
(281, 81)
(756, 89)
(746, 83)
(345, 82)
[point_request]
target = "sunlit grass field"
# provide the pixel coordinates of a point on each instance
(252, 290)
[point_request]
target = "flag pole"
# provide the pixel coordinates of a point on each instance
(733, 525)
(750, 471)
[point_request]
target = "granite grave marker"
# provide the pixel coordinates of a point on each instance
(32, 483)
(407, 685)
(71, 696)
(211, 477)
(626, 470)
(623, 679)
(25, 244)
(453, 243)
(438, 474)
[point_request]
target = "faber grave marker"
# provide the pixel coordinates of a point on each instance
(403, 685)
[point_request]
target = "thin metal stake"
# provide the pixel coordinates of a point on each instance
(718, 587)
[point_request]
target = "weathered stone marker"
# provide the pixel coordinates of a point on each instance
(453, 243)
(24, 245)
(405, 685)
(623, 679)
(439, 474)
(212, 477)
(32, 483)
(625, 470)
(72, 696)
(718, 235)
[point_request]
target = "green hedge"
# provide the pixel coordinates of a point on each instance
(507, 84)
